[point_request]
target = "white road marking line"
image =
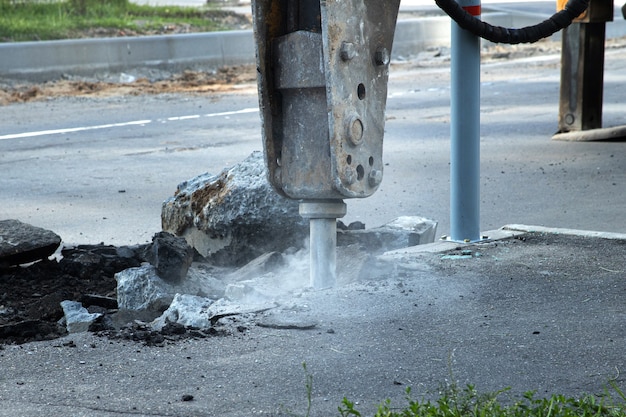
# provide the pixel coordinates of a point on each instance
(124, 124)
(72, 129)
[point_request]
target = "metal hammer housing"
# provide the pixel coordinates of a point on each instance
(323, 70)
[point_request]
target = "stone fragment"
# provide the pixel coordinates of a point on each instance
(202, 313)
(77, 318)
(403, 232)
(94, 261)
(235, 216)
(21, 243)
(352, 226)
(224, 308)
(187, 310)
(272, 276)
(143, 290)
(170, 255)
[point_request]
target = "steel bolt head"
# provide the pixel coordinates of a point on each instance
(354, 130)
(348, 176)
(375, 178)
(347, 51)
(381, 57)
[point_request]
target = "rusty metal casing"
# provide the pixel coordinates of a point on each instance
(323, 68)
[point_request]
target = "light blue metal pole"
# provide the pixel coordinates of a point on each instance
(465, 131)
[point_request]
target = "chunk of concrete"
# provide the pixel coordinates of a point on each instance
(91, 261)
(141, 289)
(403, 232)
(188, 310)
(224, 308)
(235, 216)
(170, 255)
(21, 243)
(77, 318)
(202, 313)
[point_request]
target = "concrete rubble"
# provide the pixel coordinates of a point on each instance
(77, 318)
(170, 255)
(188, 310)
(227, 217)
(252, 257)
(22, 243)
(201, 313)
(141, 289)
(402, 232)
(265, 283)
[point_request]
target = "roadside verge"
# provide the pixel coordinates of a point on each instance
(41, 61)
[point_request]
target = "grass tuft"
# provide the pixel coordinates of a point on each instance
(469, 403)
(31, 20)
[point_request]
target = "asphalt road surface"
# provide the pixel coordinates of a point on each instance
(97, 169)
(542, 312)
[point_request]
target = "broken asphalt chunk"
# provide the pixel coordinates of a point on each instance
(22, 243)
(170, 255)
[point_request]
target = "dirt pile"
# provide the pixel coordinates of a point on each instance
(225, 79)
(31, 295)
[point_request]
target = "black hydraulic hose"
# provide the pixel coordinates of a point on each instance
(529, 34)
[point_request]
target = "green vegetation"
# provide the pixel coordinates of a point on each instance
(455, 402)
(26, 20)
(469, 403)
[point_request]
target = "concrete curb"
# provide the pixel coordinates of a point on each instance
(39, 61)
(505, 232)
(44, 60)
(560, 231)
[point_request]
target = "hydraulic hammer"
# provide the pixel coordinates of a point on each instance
(323, 67)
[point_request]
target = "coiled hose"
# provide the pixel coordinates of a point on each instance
(528, 34)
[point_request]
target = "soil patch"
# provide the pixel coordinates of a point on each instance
(227, 79)
(31, 296)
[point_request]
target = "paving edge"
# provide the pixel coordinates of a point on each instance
(41, 61)
(505, 232)
(561, 231)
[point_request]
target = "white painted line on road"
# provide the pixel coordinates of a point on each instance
(72, 130)
(230, 113)
(112, 125)
(172, 119)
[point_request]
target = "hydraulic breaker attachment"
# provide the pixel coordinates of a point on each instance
(323, 69)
